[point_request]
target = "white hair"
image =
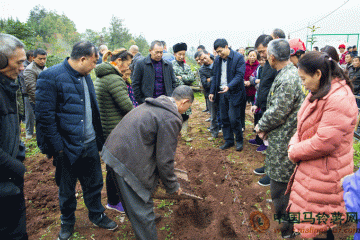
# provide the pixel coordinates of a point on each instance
(8, 44)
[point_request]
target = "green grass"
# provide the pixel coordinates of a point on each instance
(31, 147)
(199, 96)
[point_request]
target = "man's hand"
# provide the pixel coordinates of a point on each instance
(211, 97)
(224, 90)
(253, 109)
(247, 83)
(208, 79)
(178, 192)
(257, 81)
(179, 77)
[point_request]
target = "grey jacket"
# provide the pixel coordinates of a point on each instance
(31, 74)
(141, 148)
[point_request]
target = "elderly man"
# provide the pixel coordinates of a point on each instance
(102, 50)
(151, 131)
(153, 76)
(12, 170)
(183, 76)
(278, 124)
(69, 130)
(134, 50)
(228, 89)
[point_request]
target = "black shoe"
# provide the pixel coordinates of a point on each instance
(205, 110)
(239, 147)
(104, 222)
(66, 231)
(226, 146)
(265, 181)
(260, 170)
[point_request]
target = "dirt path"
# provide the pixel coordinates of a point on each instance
(224, 178)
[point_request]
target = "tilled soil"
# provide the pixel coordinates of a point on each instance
(224, 178)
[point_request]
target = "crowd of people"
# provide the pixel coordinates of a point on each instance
(131, 115)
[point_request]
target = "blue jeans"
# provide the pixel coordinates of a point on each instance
(87, 169)
(231, 119)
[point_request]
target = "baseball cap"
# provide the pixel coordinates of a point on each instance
(342, 46)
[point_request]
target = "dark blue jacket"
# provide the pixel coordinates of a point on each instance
(235, 77)
(60, 111)
(10, 166)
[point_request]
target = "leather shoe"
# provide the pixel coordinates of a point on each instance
(205, 110)
(66, 231)
(226, 146)
(239, 147)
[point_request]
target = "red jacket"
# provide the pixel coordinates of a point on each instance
(322, 147)
(342, 58)
(250, 91)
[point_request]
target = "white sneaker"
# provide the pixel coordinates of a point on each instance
(29, 136)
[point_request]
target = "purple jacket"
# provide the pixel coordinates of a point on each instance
(351, 187)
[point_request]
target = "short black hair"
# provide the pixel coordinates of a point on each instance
(29, 53)
(201, 47)
(277, 32)
(197, 54)
(39, 51)
(317, 48)
(83, 49)
(264, 40)
(220, 42)
(163, 43)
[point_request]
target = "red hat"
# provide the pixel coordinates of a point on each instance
(342, 46)
(295, 45)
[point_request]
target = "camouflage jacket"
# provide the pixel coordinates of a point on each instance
(187, 77)
(280, 122)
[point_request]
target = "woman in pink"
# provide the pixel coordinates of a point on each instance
(321, 147)
(251, 65)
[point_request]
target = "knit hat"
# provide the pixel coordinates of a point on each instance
(179, 47)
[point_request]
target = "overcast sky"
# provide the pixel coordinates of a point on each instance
(195, 21)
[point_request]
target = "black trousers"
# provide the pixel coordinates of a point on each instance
(13, 216)
(88, 170)
(112, 187)
(281, 202)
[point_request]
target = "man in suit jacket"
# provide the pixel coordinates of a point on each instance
(153, 76)
(228, 88)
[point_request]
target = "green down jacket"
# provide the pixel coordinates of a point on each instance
(112, 96)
